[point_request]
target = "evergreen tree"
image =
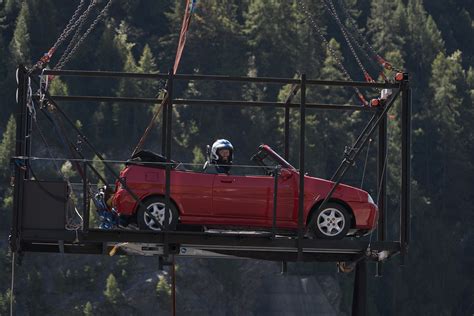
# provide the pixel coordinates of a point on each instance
(163, 290)
(100, 167)
(88, 309)
(112, 291)
(129, 119)
(148, 88)
(385, 25)
(424, 40)
(444, 143)
(8, 11)
(7, 149)
(272, 42)
(19, 46)
(44, 30)
(147, 64)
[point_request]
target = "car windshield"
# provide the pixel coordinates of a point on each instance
(268, 158)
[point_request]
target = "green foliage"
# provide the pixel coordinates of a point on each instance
(112, 291)
(58, 87)
(387, 25)
(19, 46)
(88, 309)
(5, 300)
(199, 157)
(100, 168)
(7, 149)
(424, 40)
(68, 170)
(163, 289)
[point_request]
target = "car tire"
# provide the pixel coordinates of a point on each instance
(156, 205)
(331, 222)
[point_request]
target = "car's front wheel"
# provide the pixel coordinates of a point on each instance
(331, 222)
(156, 207)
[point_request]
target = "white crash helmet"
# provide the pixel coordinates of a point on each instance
(218, 145)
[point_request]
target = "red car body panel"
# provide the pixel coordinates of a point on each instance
(234, 200)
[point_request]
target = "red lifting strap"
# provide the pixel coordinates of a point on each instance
(384, 63)
(362, 99)
(182, 35)
(179, 52)
(368, 78)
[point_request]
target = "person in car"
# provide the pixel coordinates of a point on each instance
(221, 155)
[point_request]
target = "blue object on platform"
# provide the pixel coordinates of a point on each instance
(108, 218)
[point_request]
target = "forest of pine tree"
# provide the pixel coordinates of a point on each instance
(431, 40)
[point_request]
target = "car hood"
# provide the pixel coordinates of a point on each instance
(345, 192)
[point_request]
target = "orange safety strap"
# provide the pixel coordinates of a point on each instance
(182, 36)
(179, 53)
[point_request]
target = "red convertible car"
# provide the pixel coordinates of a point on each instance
(211, 199)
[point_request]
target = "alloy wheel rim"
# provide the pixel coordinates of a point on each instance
(157, 210)
(331, 222)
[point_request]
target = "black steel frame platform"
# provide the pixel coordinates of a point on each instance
(268, 247)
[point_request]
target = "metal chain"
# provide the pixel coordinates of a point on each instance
(365, 42)
(88, 31)
(71, 25)
(360, 46)
(332, 52)
(70, 46)
(332, 11)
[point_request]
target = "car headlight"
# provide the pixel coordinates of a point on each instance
(370, 199)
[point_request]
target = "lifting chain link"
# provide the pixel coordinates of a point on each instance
(332, 11)
(332, 52)
(71, 25)
(365, 42)
(355, 41)
(67, 56)
(78, 27)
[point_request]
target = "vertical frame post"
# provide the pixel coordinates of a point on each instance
(406, 165)
(359, 296)
(21, 149)
(275, 198)
(169, 113)
(164, 128)
(85, 199)
(287, 132)
(381, 183)
(302, 149)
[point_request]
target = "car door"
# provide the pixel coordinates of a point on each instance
(193, 193)
(249, 199)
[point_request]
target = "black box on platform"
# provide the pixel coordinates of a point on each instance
(44, 205)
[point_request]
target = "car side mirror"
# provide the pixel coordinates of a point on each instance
(285, 174)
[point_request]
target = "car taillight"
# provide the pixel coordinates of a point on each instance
(118, 183)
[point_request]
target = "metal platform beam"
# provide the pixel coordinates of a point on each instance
(239, 245)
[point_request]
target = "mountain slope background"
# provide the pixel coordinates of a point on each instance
(432, 40)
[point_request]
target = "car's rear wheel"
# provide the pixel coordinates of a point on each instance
(156, 207)
(331, 222)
